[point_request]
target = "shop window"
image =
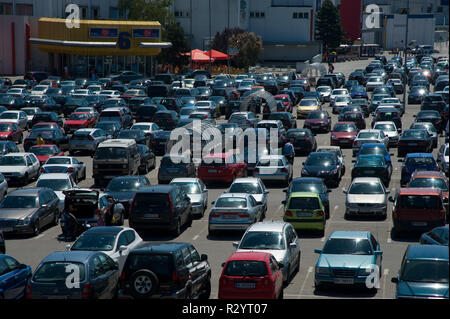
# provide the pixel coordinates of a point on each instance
(6, 8)
(294, 15)
(262, 14)
(113, 13)
(83, 12)
(252, 14)
(440, 9)
(24, 9)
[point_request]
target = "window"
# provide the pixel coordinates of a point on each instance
(96, 267)
(83, 12)
(131, 237)
(252, 14)
(305, 15)
(6, 8)
(113, 13)
(186, 256)
(24, 9)
(374, 242)
(122, 240)
(95, 13)
(194, 254)
(12, 263)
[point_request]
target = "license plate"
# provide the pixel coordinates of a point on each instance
(344, 281)
(419, 223)
(57, 297)
(109, 177)
(6, 230)
(369, 171)
(246, 285)
(212, 171)
(229, 216)
(304, 214)
(172, 170)
(151, 215)
(412, 144)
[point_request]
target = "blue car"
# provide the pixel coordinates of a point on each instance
(13, 278)
(348, 258)
(376, 149)
(437, 236)
(417, 161)
(358, 92)
(94, 276)
(424, 273)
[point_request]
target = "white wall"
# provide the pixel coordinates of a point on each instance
(419, 29)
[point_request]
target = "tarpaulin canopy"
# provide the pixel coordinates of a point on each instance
(198, 56)
(217, 55)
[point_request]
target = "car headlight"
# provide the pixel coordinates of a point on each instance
(304, 171)
(322, 270)
(364, 271)
(333, 137)
(25, 221)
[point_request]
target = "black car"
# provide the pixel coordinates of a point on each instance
(325, 165)
(46, 117)
(358, 76)
(271, 86)
(172, 104)
(166, 120)
(46, 104)
(419, 80)
(2, 243)
(138, 135)
(349, 108)
(166, 271)
(135, 102)
(417, 94)
(111, 128)
(148, 159)
(72, 104)
(384, 89)
(286, 118)
(431, 116)
(96, 101)
(414, 141)
(8, 147)
(145, 112)
(304, 140)
(159, 142)
(433, 102)
(29, 210)
(388, 114)
(232, 106)
(160, 207)
(50, 136)
(158, 90)
(11, 102)
(221, 101)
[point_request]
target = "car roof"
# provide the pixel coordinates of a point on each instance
(350, 235)
(249, 255)
(106, 230)
(413, 155)
(373, 145)
(366, 180)
(25, 191)
(229, 195)
(160, 247)
(434, 252)
(246, 180)
(275, 226)
(54, 176)
(419, 191)
(18, 154)
(185, 180)
(156, 189)
(304, 194)
(73, 256)
(434, 174)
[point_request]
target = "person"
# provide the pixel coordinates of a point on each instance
(69, 223)
(330, 68)
(109, 212)
(100, 219)
(39, 139)
(66, 72)
(289, 151)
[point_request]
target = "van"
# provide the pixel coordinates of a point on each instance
(417, 209)
(119, 157)
(158, 90)
(160, 207)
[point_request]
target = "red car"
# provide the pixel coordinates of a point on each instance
(11, 132)
(286, 100)
(318, 121)
(355, 117)
(221, 167)
(343, 134)
(251, 275)
(44, 152)
(48, 125)
(79, 120)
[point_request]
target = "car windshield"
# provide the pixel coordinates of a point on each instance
(231, 202)
(44, 134)
(371, 161)
(263, 240)
(304, 203)
(297, 134)
(55, 184)
(344, 128)
(95, 242)
(249, 188)
(42, 150)
(53, 160)
(9, 116)
(56, 271)
(29, 111)
(429, 182)
(12, 201)
(105, 126)
(5, 127)
(307, 187)
(373, 151)
(188, 187)
(370, 188)
(110, 153)
(347, 246)
(385, 127)
(12, 161)
(250, 268)
(435, 271)
(415, 134)
(308, 103)
(317, 115)
(419, 201)
(368, 135)
(123, 185)
(77, 117)
(419, 161)
(186, 111)
(128, 134)
(321, 159)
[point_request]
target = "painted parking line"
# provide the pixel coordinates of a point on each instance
(385, 274)
(310, 270)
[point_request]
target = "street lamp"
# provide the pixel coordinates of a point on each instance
(405, 55)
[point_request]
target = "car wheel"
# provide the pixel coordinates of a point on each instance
(177, 230)
(26, 179)
(206, 290)
(36, 228)
(189, 221)
(297, 268)
(56, 220)
(143, 284)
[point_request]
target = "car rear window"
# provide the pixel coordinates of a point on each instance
(150, 200)
(231, 202)
(56, 272)
(420, 201)
(246, 268)
(160, 264)
(306, 203)
(422, 161)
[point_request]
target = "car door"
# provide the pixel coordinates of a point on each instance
(120, 256)
(199, 270)
(35, 165)
(98, 277)
(23, 120)
(12, 280)
(111, 276)
(30, 169)
(186, 253)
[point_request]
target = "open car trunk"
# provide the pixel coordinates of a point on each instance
(84, 201)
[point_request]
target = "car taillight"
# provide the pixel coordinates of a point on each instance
(86, 291)
(289, 213)
(436, 168)
(175, 276)
(243, 215)
(320, 213)
(442, 214)
(308, 139)
(283, 170)
(404, 170)
(42, 170)
(355, 143)
(131, 206)
(172, 210)
(215, 214)
(422, 143)
(91, 138)
(28, 294)
(122, 276)
(70, 170)
(401, 143)
(248, 122)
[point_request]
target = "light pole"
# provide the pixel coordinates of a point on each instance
(190, 33)
(210, 35)
(405, 56)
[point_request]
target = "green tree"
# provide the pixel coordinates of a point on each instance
(249, 46)
(221, 40)
(328, 26)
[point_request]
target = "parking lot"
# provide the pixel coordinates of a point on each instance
(32, 250)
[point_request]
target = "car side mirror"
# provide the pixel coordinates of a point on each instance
(67, 247)
(122, 248)
(283, 202)
(22, 266)
(391, 154)
(388, 191)
(445, 200)
(394, 280)
(204, 257)
(391, 199)
(213, 202)
(223, 264)
(378, 252)
(235, 244)
(344, 190)
(280, 265)
(81, 163)
(293, 245)
(318, 251)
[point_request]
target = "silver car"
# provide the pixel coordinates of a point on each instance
(18, 117)
(234, 212)
(274, 168)
(369, 136)
(244, 119)
(442, 158)
(389, 129)
(253, 186)
(339, 103)
(3, 186)
(429, 127)
(366, 196)
(30, 111)
(374, 82)
(196, 191)
(86, 139)
(65, 164)
(277, 238)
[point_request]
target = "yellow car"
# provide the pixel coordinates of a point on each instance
(306, 106)
(189, 83)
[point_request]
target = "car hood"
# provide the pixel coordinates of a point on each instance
(122, 196)
(391, 133)
(318, 169)
(195, 198)
(422, 289)
(279, 255)
(344, 134)
(347, 261)
(319, 121)
(369, 199)
(16, 213)
(75, 122)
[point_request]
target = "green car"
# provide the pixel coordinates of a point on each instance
(372, 166)
(305, 211)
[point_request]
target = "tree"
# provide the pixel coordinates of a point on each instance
(171, 31)
(249, 46)
(221, 40)
(328, 26)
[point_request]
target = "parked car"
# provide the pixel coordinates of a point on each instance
(428, 116)
(369, 136)
(11, 131)
(253, 186)
(414, 140)
(423, 273)
(325, 165)
(45, 151)
(273, 168)
(67, 165)
(318, 121)
(372, 166)
(19, 167)
(437, 236)
(111, 128)
(172, 166)
(50, 136)
(304, 140)
(390, 130)
(417, 161)
(347, 258)
(429, 127)
(221, 167)
(58, 182)
(18, 117)
(123, 189)
(147, 159)
(196, 190)
(14, 277)
(78, 120)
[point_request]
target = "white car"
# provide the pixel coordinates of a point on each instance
(366, 196)
(116, 242)
(277, 238)
(18, 92)
(20, 167)
(389, 129)
(18, 117)
(110, 93)
(59, 182)
(393, 101)
(148, 128)
(253, 186)
(95, 89)
(374, 82)
(339, 103)
(369, 136)
(338, 92)
(39, 90)
(325, 92)
(3, 187)
(197, 192)
(30, 111)
(66, 165)
(274, 168)
(81, 93)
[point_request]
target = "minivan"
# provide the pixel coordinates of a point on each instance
(119, 157)
(160, 207)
